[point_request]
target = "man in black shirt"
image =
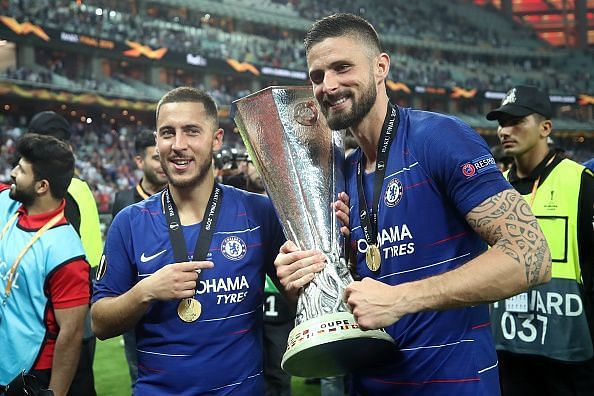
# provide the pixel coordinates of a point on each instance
(153, 180)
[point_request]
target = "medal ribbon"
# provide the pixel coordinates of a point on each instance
(176, 236)
(17, 261)
(369, 222)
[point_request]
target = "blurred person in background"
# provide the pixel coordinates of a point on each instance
(153, 180)
(43, 272)
(80, 211)
(185, 268)
(544, 336)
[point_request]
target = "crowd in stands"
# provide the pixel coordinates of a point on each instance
(26, 74)
(223, 37)
(104, 154)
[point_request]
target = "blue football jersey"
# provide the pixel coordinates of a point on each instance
(438, 169)
(221, 352)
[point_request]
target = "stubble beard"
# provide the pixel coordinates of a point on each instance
(151, 176)
(357, 113)
(203, 169)
(26, 196)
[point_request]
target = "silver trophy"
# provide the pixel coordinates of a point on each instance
(301, 160)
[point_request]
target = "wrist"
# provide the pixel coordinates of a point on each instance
(143, 291)
(407, 298)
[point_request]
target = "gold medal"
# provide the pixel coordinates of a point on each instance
(373, 258)
(189, 309)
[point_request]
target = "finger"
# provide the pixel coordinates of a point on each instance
(363, 325)
(313, 263)
(345, 231)
(291, 258)
(188, 293)
(301, 282)
(344, 197)
(288, 247)
(343, 218)
(346, 294)
(188, 285)
(303, 275)
(188, 266)
(341, 205)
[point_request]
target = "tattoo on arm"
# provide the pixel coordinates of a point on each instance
(506, 222)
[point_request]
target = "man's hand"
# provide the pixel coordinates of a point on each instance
(342, 210)
(174, 281)
(296, 268)
(374, 304)
(112, 316)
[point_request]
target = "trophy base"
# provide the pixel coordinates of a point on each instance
(332, 345)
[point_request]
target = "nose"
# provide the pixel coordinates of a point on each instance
(180, 142)
(503, 132)
(330, 83)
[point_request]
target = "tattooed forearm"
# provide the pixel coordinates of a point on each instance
(506, 222)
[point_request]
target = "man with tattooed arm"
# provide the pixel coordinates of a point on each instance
(426, 199)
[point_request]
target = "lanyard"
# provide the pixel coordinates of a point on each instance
(176, 236)
(15, 265)
(537, 181)
(369, 223)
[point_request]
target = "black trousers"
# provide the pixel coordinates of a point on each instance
(83, 383)
(522, 375)
(278, 383)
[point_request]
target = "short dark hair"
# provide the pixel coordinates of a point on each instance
(189, 94)
(342, 24)
(145, 138)
(50, 123)
(51, 159)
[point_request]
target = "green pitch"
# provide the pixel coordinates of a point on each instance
(112, 378)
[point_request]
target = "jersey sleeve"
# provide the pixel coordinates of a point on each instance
(457, 159)
(69, 285)
(117, 272)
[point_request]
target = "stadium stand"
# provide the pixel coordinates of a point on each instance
(108, 61)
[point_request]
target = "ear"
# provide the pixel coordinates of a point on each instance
(546, 127)
(217, 141)
(42, 187)
(382, 67)
(139, 161)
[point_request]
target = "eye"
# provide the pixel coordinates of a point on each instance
(316, 77)
(342, 68)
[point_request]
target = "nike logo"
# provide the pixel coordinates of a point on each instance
(144, 258)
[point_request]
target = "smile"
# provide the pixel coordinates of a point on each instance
(181, 164)
(338, 102)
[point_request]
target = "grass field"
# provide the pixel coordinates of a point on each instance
(112, 379)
